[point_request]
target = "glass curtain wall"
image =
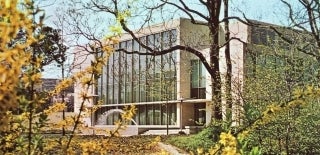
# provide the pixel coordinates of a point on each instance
(133, 78)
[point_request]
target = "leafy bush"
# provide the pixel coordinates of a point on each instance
(296, 131)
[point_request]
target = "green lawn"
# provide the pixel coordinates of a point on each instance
(191, 143)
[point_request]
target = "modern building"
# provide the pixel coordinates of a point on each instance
(172, 90)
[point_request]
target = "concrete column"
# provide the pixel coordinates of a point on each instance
(179, 115)
(209, 113)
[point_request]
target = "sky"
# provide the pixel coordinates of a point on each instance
(271, 11)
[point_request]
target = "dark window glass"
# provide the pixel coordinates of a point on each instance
(143, 40)
(150, 114)
(157, 41)
(150, 41)
(157, 114)
(197, 74)
(197, 79)
(200, 113)
(165, 39)
(142, 114)
(172, 114)
(150, 60)
(135, 73)
(123, 72)
(173, 37)
(129, 72)
(164, 114)
(104, 86)
(116, 77)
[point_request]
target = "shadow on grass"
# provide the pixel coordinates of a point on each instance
(190, 143)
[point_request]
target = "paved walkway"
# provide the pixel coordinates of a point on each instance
(171, 149)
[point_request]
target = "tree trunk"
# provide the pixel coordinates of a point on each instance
(228, 61)
(214, 12)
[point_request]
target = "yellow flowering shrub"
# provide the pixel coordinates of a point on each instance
(227, 145)
(11, 59)
(22, 124)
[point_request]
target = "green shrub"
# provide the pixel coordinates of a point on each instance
(204, 139)
(296, 131)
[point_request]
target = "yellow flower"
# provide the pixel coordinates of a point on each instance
(8, 3)
(229, 143)
(229, 150)
(200, 150)
(227, 139)
(214, 150)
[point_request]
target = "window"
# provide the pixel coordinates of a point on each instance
(135, 73)
(165, 39)
(128, 74)
(133, 78)
(122, 72)
(200, 113)
(197, 74)
(109, 79)
(142, 114)
(150, 114)
(157, 114)
(115, 70)
(139, 78)
(198, 81)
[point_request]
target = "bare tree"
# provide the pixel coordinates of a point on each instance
(303, 24)
(205, 13)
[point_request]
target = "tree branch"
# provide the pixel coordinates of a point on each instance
(188, 13)
(291, 42)
(232, 38)
(171, 49)
(312, 22)
(194, 11)
(203, 2)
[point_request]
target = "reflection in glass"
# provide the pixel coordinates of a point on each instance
(133, 78)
